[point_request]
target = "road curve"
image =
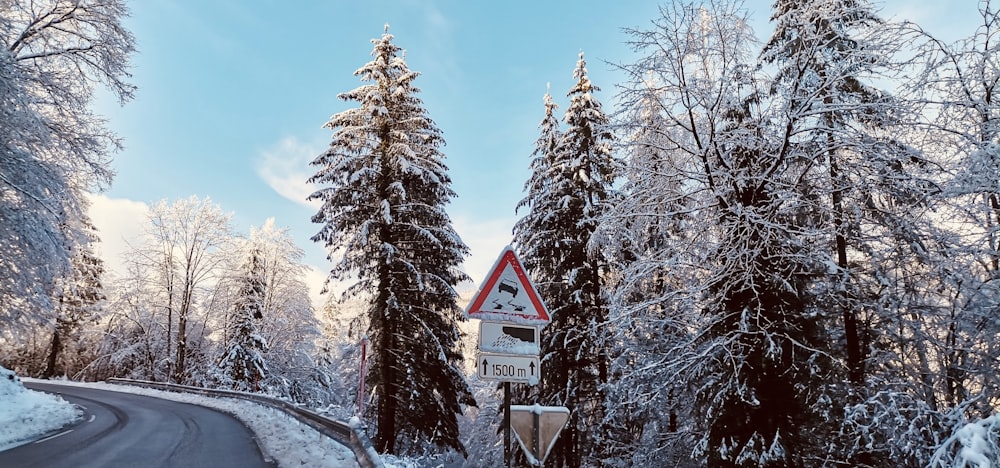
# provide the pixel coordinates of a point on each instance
(127, 430)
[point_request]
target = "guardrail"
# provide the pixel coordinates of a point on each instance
(351, 434)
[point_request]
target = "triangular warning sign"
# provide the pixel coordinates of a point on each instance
(537, 428)
(508, 295)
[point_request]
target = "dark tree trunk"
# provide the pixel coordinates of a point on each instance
(385, 439)
(181, 348)
(855, 362)
(54, 350)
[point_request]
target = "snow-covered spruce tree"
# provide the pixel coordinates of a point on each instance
(52, 53)
(537, 224)
(554, 239)
(387, 231)
(242, 365)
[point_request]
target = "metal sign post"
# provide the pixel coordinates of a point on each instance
(536, 439)
(507, 456)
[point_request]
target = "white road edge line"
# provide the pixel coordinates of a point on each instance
(54, 436)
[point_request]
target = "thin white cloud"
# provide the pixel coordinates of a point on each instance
(285, 168)
(486, 239)
(314, 279)
(119, 223)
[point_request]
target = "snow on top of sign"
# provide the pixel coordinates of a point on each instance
(539, 409)
(509, 318)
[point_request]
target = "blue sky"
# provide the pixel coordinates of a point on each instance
(232, 96)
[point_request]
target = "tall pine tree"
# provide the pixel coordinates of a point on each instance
(566, 202)
(536, 224)
(385, 224)
(243, 365)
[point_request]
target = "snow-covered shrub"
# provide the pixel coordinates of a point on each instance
(892, 427)
(973, 444)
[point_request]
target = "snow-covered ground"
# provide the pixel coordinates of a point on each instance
(26, 415)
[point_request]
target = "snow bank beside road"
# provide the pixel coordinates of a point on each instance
(26, 414)
(281, 437)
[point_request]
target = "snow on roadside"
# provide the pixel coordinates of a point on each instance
(26, 414)
(282, 438)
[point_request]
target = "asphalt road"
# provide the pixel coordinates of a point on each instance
(126, 430)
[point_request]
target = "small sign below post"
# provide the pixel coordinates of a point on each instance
(536, 428)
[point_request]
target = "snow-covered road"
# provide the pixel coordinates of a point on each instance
(27, 415)
(121, 429)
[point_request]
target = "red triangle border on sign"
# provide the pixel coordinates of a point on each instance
(507, 257)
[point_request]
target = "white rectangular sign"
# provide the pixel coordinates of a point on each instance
(508, 338)
(509, 368)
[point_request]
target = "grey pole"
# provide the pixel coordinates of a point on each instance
(506, 424)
